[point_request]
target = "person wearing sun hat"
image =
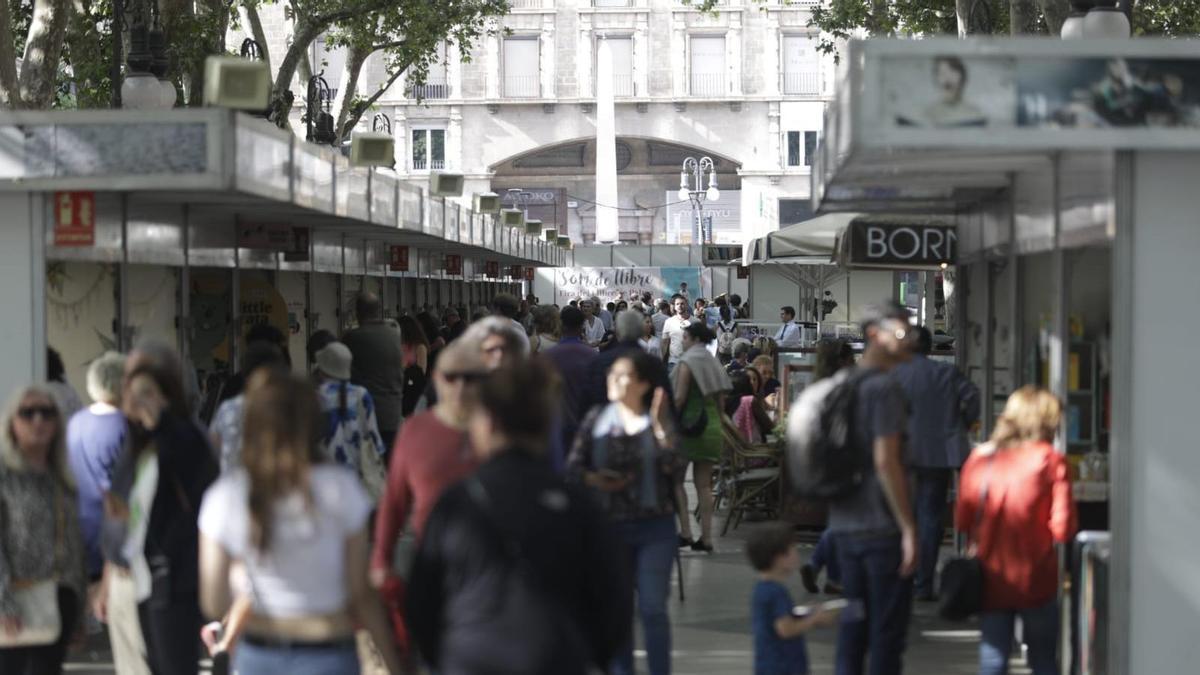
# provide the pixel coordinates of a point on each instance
(352, 436)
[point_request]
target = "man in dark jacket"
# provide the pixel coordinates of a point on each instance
(629, 327)
(378, 364)
(943, 404)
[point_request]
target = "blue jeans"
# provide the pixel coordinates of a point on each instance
(824, 556)
(871, 574)
(652, 544)
(1040, 631)
(250, 659)
(932, 487)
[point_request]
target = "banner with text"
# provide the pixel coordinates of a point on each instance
(606, 283)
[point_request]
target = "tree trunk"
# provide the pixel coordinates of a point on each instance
(281, 94)
(1055, 12)
(256, 30)
(10, 93)
(43, 50)
(877, 22)
(1023, 17)
(347, 87)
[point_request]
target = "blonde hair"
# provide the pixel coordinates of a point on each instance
(11, 455)
(1031, 414)
(766, 346)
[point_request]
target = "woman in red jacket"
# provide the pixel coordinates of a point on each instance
(1015, 503)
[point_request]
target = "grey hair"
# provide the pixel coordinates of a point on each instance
(488, 326)
(630, 325)
(104, 378)
(740, 346)
(10, 454)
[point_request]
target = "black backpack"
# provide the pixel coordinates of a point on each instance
(824, 460)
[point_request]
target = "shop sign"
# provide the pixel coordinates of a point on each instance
(743, 272)
(454, 264)
(491, 269)
(606, 283)
(74, 218)
(289, 239)
(529, 272)
(398, 258)
(300, 245)
(897, 245)
(514, 272)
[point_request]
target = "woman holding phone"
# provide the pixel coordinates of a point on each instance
(626, 452)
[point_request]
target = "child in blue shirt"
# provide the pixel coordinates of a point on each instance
(779, 647)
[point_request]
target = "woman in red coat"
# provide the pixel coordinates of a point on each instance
(1015, 504)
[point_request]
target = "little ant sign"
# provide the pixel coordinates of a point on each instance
(898, 245)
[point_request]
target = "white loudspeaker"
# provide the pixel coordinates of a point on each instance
(564, 242)
(446, 184)
(533, 227)
(372, 149)
(487, 202)
(512, 217)
(232, 82)
(550, 234)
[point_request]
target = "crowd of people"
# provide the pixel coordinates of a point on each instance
(536, 458)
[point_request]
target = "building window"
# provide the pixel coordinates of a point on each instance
(801, 148)
(521, 68)
(428, 149)
(622, 62)
(437, 80)
(801, 65)
(708, 65)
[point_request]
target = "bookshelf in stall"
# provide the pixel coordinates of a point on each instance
(1087, 421)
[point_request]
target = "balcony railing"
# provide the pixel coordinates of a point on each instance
(526, 4)
(623, 85)
(421, 164)
(438, 88)
(618, 3)
(802, 83)
(522, 86)
(708, 84)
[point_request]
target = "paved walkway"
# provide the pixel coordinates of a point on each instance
(711, 629)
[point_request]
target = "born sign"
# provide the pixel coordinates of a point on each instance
(897, 245)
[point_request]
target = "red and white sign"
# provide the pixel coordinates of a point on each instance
(514, 272)
(398, 258)
(491, 268)
(529, 272)
(454, 264)
(74, 218)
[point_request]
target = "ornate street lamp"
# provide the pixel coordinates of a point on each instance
(691, 188)
(318, 118)
(145, 86)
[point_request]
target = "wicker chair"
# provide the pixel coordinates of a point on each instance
(754, 472)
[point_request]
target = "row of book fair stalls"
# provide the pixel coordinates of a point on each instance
(193, 226)
(1063, 174)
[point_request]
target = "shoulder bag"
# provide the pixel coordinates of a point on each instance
(37, 601)
(962, 577)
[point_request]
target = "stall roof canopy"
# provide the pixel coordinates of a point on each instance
(811, 242)
(222, 167)
(940, 125)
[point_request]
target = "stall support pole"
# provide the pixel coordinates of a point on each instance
(989, 347)
(1016, 289)
(235, 300)
(23, 288)
(124, 332)
(1060, 279)
(184, 325)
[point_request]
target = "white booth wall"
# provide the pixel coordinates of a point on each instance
(80, 307)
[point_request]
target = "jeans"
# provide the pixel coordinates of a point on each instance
(652, 545)
(825, 557)
(1040, 634)
(252, 659)
(44, 659)
(871, 574)
(932, 487)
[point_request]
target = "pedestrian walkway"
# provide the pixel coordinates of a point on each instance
(711, 628)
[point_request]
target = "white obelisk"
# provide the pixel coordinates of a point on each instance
(607, 227)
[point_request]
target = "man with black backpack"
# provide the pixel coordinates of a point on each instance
(846, 443)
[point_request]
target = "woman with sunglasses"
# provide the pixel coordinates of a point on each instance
(431, 453)
(39, 530)
(626, 453)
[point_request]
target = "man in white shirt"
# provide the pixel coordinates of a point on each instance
(660, 318)
(672, 333)
(593, 327)
(789, 332)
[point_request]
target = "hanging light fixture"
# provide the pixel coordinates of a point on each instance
(1072, 28)
(140, 91)
(712, 194)
(1106, 20)
(156, 42)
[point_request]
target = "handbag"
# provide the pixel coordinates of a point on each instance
(962, 577)
(37, 601)
(371, 470)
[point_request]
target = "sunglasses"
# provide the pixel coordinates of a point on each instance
(46, 412)
(463, 377)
